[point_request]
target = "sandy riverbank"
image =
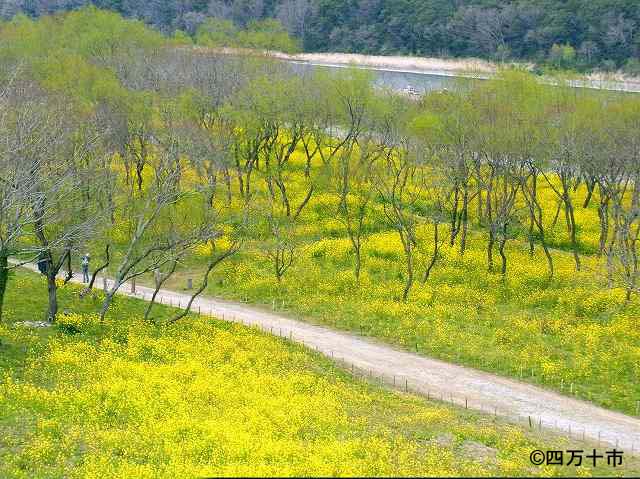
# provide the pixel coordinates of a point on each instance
(469, 67)
(462, 66)
(399, 63)
(455, 67)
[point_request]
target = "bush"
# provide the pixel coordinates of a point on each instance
(562, 56)
(632, 67)
(266, 34)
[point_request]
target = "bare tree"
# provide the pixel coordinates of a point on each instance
(351, 159)
(153, 235)
(619, 180)
(399, 187)
(15, 186)
(484, 28)
(50, 175)
(565, 163)
(294, 14)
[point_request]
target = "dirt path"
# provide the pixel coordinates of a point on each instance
(478, 390)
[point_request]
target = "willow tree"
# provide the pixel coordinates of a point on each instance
(16, 187)
(499, 171)
(55, 176)
(398, 185)
(524, 119)
(153, 229)
(452, 122)
(564, 174)
(620, 179)
(353, 154)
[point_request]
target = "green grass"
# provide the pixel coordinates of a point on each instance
(570, 334)
(202, 397)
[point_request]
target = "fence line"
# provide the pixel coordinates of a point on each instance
(531, 422)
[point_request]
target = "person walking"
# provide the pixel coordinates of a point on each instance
(42, 263)
(85, 268)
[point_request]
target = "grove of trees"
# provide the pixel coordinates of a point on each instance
(118, 140)
(581, 34)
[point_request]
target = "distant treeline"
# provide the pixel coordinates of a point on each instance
(580, 34)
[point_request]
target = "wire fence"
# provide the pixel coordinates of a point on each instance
(400, 382)
(405, 383)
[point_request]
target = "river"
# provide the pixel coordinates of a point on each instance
(395, 79)
(421, 82)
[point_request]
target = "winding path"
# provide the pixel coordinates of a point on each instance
(464, 386)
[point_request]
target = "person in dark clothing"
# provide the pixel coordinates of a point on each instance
(42, 263)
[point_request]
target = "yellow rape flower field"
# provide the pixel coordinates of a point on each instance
(128, 399)
(572, 333)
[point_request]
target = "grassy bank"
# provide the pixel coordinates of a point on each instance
(128, 399)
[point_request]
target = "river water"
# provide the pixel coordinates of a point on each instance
(420, 82)
(395, 79)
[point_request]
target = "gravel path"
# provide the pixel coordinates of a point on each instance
(478, 390)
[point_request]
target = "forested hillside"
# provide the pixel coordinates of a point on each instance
(579, 34)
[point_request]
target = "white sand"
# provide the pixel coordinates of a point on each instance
(417, 64)
(463, 67)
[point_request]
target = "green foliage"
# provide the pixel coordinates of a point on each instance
(75, 53)
(214, 32)
(562, 56)
(266, 34)
(632, 67)
(180, 38)
(603, 33)
(241, 151)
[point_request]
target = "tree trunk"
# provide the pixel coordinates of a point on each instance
(532, 211)
(409, 282)
(610, 257)
(205, 281)
(159, 283)
(543, 241)
(52, 289)
(227, 181)
(96, 272)
(492, 240)
(108, 297)
(408, 252)
(557, 215)
(547, 254)
(531, 227)
(277, 266)
(454, 215)
(503, 242)
(464, 220)
(4, 278)
(434, 258)
(358, 264)
(574, 238)
(603, 215)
